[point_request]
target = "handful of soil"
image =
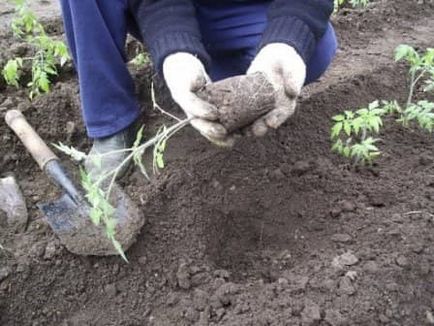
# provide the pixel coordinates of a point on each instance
(240, 100)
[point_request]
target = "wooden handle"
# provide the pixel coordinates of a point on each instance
(31, 140)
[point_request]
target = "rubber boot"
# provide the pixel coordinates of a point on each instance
(107, 154)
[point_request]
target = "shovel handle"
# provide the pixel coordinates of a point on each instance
(30, 138)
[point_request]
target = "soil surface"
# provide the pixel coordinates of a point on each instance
(277, 231)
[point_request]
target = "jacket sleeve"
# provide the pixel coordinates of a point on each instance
(299, 23)
(167, 27)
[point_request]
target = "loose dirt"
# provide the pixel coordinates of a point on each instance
(277, 231)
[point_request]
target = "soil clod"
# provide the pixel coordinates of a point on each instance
(13, 204)
(240, 100)
(311, 314)
(342, 238)
(50, 251)
(346, 259)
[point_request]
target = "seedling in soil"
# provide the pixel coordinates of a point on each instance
(421, 66)
(98, 192)
(352, 132)
(48, 53)
(355, 3)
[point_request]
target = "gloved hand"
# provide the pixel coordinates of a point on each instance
(184, 75)
(286, 71)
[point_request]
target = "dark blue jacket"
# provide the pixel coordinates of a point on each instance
(169, 26)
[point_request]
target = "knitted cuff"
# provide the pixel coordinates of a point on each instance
(166, 45)
(291, 31)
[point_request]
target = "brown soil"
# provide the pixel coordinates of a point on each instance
(277, 231)
(240, 100)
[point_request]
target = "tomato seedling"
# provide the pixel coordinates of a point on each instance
(355, 3)
(48, 53)
(352, 132)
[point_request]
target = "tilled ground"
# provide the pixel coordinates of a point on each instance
(277, 231)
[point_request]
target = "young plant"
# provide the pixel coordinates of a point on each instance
(421, 112)
(48, 53)
(421, 65)
(98, 192)
(354, 3)
(351, 131)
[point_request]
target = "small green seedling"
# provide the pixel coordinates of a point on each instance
(421, 65)
(48, 53)
(421, 112)
(352, 132)
(354, 3)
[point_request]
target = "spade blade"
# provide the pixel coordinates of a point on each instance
(63, 214)
(71, 222)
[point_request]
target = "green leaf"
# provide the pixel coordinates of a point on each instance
(119, 249)
(95, 216)
(44, 82)
(347, 128)
(75, 154)
(357, 125)
(163, 145)
(139, 137)
(339, 117)
(336, 130)
(373, 105)
(346, 151)
(51, 70)
(376, 123)
(336, 146)
(160, 161)
(406, 52)
(110, 224)
(138, 160)
(349, 115)
(11, 72)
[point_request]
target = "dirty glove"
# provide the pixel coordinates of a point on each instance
(184, 75)
(286, 71)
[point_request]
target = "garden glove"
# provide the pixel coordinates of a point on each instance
(185, 75)
(286, 71)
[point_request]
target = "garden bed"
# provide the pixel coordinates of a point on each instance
(277, 231)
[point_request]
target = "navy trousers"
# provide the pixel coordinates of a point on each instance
(96, 31)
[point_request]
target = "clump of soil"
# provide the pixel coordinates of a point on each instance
(277, 231)
(240, 100)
